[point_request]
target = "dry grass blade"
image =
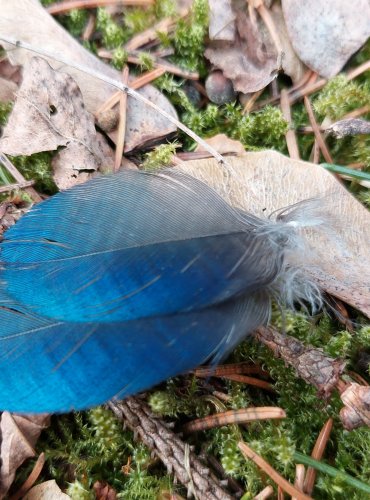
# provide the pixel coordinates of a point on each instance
(32, 478)
(241, 416)
(18, 185)
(122, 122)
(63, 7)
(316, 130)
(317, 453)
(271, 472)
(291, 139)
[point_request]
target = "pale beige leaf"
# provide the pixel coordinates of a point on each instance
(221, 20)
(28, 21)
(266, 181)
(49, 490)
(224, 145)
(325, 33)
(19, 434)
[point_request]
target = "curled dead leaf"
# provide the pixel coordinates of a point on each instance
(28, 21)
(49, 490)
(349, 126)
(19, 434)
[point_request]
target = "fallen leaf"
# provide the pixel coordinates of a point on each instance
(249, 61)
(325, 33)
(266, 181)
(221, 20)
(103, 491)
(224, 145)
(19, 435)
(28, 21)
(51, 103)
(7, 90)
(49, 490)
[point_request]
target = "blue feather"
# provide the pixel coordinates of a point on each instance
(122, 282)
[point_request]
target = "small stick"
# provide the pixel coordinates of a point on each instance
(320, 140)
(89, 28)
(136, 84)
(151, 34)
(299, 478)
(265, 493)
(18, 185)
(250, 103)
(134, 58)
(291, 139)
(122, 122)
(241, 416)
(243, 379)
(229, 369)
(317, 454)
(124, 88)
(270, 25)
(280, 493)
(18, 176)
(63, 7)
(271, 472)
(32, 478)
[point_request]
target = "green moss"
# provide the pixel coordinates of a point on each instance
(341, 96)
(37, 167)
(160, 156)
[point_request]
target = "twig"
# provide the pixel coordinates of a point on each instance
(151, 34)
(124, 88)
(270, 25)
(229, 369)
(18, 176)
(133, 57)
(310, 363)
(242, 416)
(299, 478)
(320, 140)
(271, 472)
(169, 448)
(291, 139)
(89, 28)
(136, 84)
(18, 185)
(63, 7)
(265, 493)
(122, 122)
(317, 454)
(32, 478)
(256, 382)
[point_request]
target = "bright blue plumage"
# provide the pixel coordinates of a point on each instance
(122, 282)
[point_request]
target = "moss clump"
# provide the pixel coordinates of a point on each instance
(341, 96)
(160, 156)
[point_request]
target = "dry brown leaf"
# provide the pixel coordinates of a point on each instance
(246, 61)
(49, 490)
(325, 33)
(224, 145)
(7, 90)
(49, 112)
(349, 126)
(28, 21)
(221, 20)
(266, 181)
(104, 492)
(19, 434)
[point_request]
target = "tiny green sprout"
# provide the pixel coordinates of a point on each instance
(77, 491)
(146, 61)
(119, 58)
(160, 156)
